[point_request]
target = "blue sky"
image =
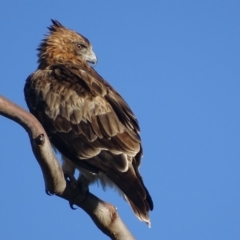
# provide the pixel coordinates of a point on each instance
(177, 65)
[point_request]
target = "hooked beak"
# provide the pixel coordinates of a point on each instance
(91, 58)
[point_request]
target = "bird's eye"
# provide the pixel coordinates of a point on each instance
(80, 46)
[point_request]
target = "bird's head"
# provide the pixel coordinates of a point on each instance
(63, 44)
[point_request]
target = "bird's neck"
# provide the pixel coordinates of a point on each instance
(43, 65)
(46, 62)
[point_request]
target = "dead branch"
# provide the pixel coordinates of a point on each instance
(103, 214)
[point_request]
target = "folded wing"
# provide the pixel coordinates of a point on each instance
(91, 124)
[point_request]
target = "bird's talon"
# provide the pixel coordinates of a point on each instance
(48, 193)
(72, 205)
(71, 179)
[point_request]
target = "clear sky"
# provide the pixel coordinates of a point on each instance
(177, 65)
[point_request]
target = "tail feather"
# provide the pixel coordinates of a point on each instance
(142, 216)
(131, 184)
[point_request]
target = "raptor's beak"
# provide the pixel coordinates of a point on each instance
(91, 58)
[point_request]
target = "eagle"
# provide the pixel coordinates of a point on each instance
(85, 118)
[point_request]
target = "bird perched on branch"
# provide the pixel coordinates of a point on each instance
(85, 118)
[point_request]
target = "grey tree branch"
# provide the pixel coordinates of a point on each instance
(103, 214)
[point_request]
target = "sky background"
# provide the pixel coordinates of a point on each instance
(177, 65)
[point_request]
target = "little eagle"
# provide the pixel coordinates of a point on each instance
(85, 118)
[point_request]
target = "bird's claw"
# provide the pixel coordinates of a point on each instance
(72, 205)
(81, 186)
(71, 179)
(48, 193)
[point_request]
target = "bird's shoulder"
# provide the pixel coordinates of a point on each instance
(78, 93)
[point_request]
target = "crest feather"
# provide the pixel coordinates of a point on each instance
(55, 26)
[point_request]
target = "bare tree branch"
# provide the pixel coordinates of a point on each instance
(103, 214)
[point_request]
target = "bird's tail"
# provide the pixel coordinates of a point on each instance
(140, 202)
(131, 184)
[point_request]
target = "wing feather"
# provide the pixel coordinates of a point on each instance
(90, 123)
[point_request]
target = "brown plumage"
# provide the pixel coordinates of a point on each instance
(85, 118)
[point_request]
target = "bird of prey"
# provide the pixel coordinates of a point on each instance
(85, 118)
